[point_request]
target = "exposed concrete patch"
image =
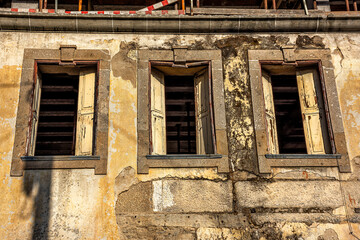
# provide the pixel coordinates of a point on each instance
(124, 66)
(304, 41)
(289, 194)
(221, 234)
(125, 179)
(306, 173)
(192, 196)
(159, 233)
(136, 199)
(329, 234)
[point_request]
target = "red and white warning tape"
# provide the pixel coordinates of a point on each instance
(139, 12)
(158, 5)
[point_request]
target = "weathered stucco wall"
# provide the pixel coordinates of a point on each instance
(179, 203)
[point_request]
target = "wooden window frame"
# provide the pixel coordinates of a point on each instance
(322, 58)
(210, 93)
(180, 56)
(64, 56)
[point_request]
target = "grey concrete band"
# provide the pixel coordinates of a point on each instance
(40, 22)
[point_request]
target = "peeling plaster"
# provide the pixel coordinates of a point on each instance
(162, 196)
(89, 205)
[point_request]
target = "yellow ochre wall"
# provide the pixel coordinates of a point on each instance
(82, 204)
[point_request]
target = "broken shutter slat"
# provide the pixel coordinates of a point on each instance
(273, 147)
(85, 113)
(204, 143)
(158, 121)
(314, 124)
(35, 115)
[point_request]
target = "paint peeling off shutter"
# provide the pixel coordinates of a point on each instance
(309, 88)
(158, 121)
(273, 147)
(85, 113)
(35, 115)
(204, 143)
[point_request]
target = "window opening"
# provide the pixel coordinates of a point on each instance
(180, 115)
(181, 109)
(289, 124)
(295, 110)
(57, 115)
(63, 110)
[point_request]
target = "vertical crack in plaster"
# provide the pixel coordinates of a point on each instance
(162, 196)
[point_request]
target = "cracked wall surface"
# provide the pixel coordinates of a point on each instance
(176, 203)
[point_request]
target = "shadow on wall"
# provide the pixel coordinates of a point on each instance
(37, 186)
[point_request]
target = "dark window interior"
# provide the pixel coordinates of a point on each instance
(288, 114)
(336, 5)
(57, 115)
(180, 115)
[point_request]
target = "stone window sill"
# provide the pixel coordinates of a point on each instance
(183, 161)
(308, 156)
(184, 156)
(62, 162)
(59, 158)
(303, 160)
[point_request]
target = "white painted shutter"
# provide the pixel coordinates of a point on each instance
(85, 113)
(314, 120)
(35, 115)
(204, 143)
(270, 117)
(158, 117)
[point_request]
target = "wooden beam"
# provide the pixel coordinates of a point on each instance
(40, 5)
(80, 5)
(347, 5)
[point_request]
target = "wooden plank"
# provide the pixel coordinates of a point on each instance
(310, 102)
(35, 114)
(55, 134)
(85, 113)
(58, 88)
(53, 142)
(179, 113)
(271, 130)
(204, 143)
(56, 124)
(57, 102)
(158, 117)
(180, 89)
(57, 113)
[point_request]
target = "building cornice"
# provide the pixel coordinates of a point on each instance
(179, 24)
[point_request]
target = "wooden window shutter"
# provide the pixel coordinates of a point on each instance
(158, 116)
(270, 117)
(85, 113)
(204, 140)
(312, 108)
(35, 115)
